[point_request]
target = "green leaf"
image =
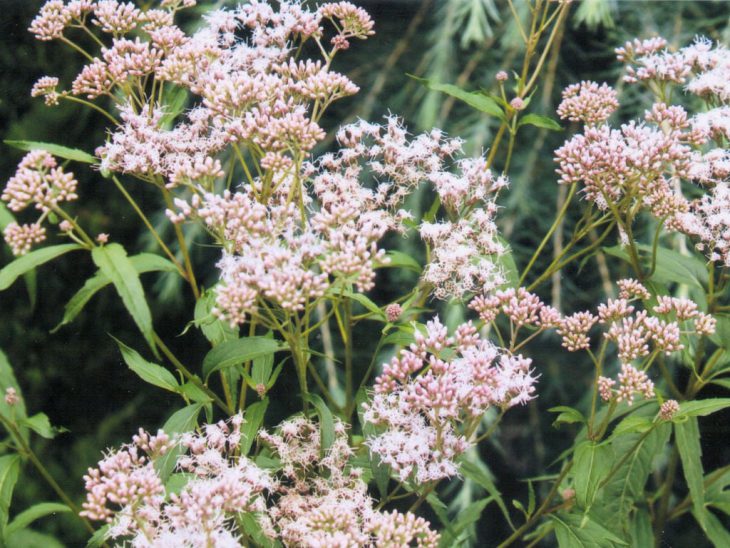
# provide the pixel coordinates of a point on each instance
(57, 150)
(632, 424)
(582, 531)
(28, 538)
(113, 262)
(640, 529)
(214, 329)
(142, 263)
(398, 259)
(37, 511)
(687, 436)
(538, 120)
(326, 423)
(253, 530)
(7, 380)
(181, 421)
(176, 482)
(567, 415)
(481, 478)
(149, 372)
(9, 470)
(466, 517)
(195, 393)
(474, 99)
(716, 532)
(99, 537)
(261, 369)
(627, 483)
(235, 352)
(592, 463)
(27, 262)
(671, 266)
(701, 408)
(367, 303)
(41, 425)
(254, 419)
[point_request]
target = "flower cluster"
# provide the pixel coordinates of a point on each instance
(588, 102)
(41, 182)
(314, 499)
(431, 398)
(127, 491)
(322, 501)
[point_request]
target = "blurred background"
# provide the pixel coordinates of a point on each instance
(76, 374)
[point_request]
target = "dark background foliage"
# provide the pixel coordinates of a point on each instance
(76, 374)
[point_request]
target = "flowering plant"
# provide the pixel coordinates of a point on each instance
(302, 238)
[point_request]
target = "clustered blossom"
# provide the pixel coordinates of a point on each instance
(127, 492)
(521, 307)
(588, 102)
(631, 381)
(315, 498)
(322, 501)
(640, 162)
(431, 397)
(668, 409)
(39, 181)
(710, 223)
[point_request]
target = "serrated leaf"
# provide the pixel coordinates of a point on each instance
(37, 511)
(715, 530)
(9, 470)
(99, 537)
(142, 263)
(181, 421)
(149, 372)
(687, 436)
(195, 393)
(27, 538)
(628, 482)
(31, 260)
(326, 423)
(701, 408)
(671, 266)
(367, 303)
(475, 99)
(235, 352)
(41, 425)
(567, 415)
(632, 424)
(261, 369)
(640, 529)
(591, 463)
(214, 329)
(7, 380)
(254, 419)
(56, 150)
(113, 262)
(538, 120)
(582, 531)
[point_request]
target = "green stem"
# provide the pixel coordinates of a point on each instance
(553, 228)
(149, 226)
(540, 511)
(91, 105)
(28, 452)
(189, 376)
(183, 247)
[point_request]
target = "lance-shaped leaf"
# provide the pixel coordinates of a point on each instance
(687, 436)
(113, 262)
(538, 120)
(9, 470)
(230, 353)
(28, 262)
(700, 408)
(147, 371)
(254, 419)
(142, 263)
(592, 462)
(183, 420)
(474, 99)
(37, 511)
(326, 423)
(57, 150)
